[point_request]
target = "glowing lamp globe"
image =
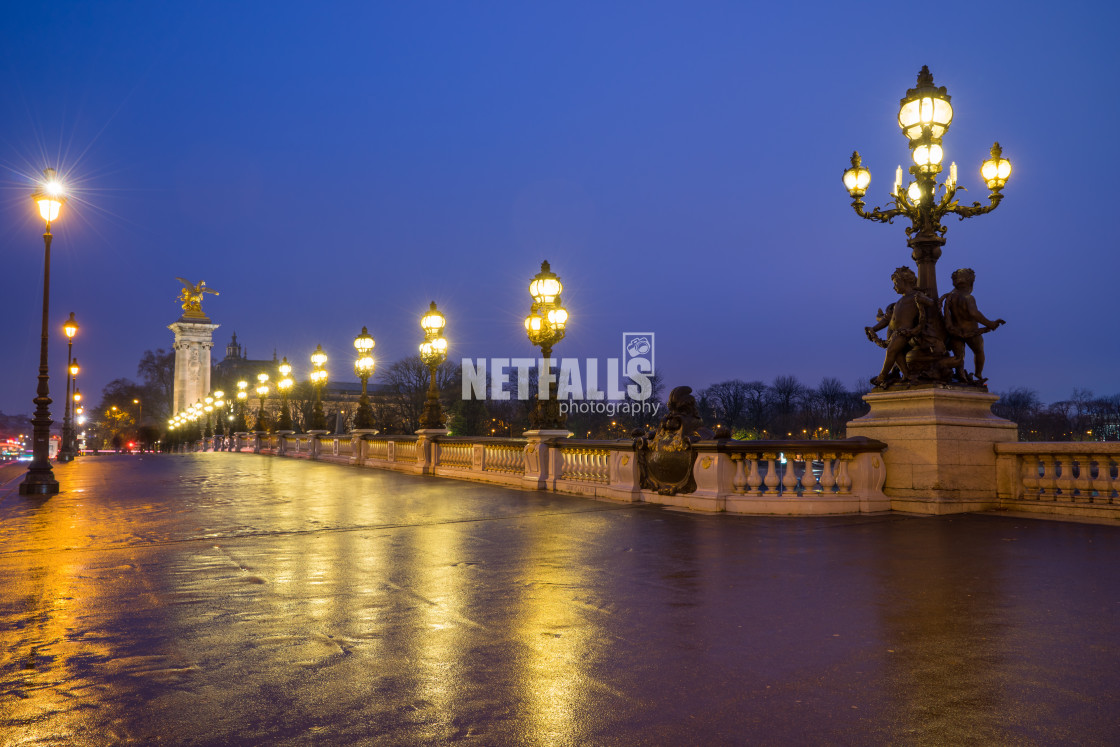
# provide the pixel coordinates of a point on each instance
(857, 177)
(545, 286)
(363, 343)
(925, 111)
(433, 321)
(70, 327)
(996, 169)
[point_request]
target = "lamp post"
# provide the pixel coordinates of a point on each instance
(433, 352)
(284, 384)
(78, 412)
(69, 328)
(545, 326)
(318, 379)
(925, 114)
(364, 367)
(40, 480)
(242, 396)
(262, 392)
(219, 410)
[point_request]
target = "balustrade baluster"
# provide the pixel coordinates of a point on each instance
(789, 477)
(1083, 483)
(1029, 474)
(1065, 476)
(843, 479)
(771, 481)
(808, 479)
(754, 477)
(828, 477)
(739, 481)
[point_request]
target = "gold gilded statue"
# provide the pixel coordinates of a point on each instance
(191, 297)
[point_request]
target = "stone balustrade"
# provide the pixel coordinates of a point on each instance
(1068, 479)
(744, 477)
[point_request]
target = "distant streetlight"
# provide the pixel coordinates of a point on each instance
(546, 325)
(262, 392)
(69, 328)
(50, 197)
(364, 367)
(433, 352)
(284, 384)
(318, 379)
(242, 397)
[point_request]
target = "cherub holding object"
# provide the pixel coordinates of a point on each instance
(905, 319)
(962, 322)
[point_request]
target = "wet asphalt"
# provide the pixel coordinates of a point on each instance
(225, 599)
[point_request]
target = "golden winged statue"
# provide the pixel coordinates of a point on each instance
(191, 297)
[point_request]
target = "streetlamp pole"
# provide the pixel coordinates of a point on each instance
(318, 378)
(40, 478)
(66, 452)
(364, 367)
(433, 352)
(284, 384)
(546, 325)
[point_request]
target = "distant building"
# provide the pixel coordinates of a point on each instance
(340, 398)
(237, 366)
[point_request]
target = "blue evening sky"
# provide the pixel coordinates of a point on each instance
(332, 165)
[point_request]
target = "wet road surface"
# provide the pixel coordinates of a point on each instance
(216, 599)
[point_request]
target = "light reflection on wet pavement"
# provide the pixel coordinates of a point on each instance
(239, 599)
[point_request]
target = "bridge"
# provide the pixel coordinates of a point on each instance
(220, 597)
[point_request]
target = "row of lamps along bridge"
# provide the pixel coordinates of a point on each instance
(545, 325)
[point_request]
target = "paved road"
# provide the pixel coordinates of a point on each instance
(236, 599)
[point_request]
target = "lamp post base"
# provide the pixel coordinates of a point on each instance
(39, 483)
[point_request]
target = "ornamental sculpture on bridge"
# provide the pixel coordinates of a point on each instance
(666, 457)
(191, 297)
(928, 332)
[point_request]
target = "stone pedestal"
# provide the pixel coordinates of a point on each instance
(940, 455)
(427, 449)
(193, 339)
(542, 464)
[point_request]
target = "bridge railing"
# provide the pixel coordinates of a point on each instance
(749, 477)
(1077, 478)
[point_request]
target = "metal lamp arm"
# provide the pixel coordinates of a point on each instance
(882, 216)
(967, 211)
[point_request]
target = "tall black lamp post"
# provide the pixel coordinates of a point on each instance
(284, 384)
(40, 480)
(433, 352)
(318, 379)
(66, 452)
(546, 326)
(364, 367)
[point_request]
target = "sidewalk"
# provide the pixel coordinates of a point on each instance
(221, 598)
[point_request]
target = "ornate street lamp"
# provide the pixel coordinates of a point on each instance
(262, 392)
(242, 396)
(925, 114)
(364, 367)
(69, 328)
(545, 326)
(284, 384)
(318, 379)
(219, 410)
(50, 197)
(433, 352)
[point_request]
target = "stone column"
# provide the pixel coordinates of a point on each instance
(194, 338)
